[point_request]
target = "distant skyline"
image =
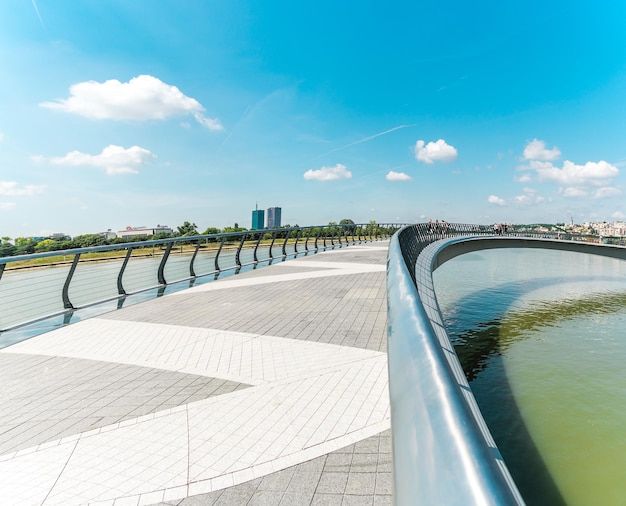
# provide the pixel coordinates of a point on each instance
(119, 113)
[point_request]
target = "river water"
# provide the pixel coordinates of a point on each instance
(542, 338)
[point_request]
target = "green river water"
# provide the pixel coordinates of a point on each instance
(542, 338)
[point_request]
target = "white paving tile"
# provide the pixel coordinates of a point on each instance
(236, 356)
(28, 479)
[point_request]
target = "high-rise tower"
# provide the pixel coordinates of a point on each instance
(273, 217)
(258, 218)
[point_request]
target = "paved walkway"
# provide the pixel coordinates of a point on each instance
(269, 387)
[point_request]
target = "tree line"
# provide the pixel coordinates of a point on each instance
(29, 245)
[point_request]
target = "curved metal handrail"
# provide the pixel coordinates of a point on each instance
(443, 452)
(220, 253)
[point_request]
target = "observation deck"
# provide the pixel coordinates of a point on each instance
(269, 387)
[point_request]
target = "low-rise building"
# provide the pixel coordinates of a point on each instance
(142, 231)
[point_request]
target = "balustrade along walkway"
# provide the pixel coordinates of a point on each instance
(269, 387)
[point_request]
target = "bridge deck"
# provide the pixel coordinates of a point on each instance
(269, 387)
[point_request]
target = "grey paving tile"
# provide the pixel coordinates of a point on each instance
(304, 482)
(327, 500)
(384, 484)
(265, 498)
(338, 462)
(296, 499)
(332, 483)
(358, 500)
(74, 395)
(278, 481)
(361, 484)
(364, 463)
(369, 445)
(383, 500)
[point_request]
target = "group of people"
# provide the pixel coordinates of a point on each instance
(437, 227)
(500, 228)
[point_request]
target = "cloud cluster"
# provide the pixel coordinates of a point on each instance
(12, 189)
(432, 152)
(529, 197)
(493, 199)
(397, 176)
(536, 150)
(142, 98)
(114, 159)
(339, 171)
(574, 180)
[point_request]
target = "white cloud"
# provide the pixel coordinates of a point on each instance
(618, 215)
(11, 188)
(114, 159)
(592, 173)
(142, 98)
(529, 197)
(492, 199)
(607, 191)
(339, 171)
(524, 178)
(573, 192)
(5, 206)
(397, 176)
(435, 151)
(536, 150)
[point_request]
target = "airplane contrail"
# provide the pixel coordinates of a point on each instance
(236, 124)
(39, 15)
(369, 138)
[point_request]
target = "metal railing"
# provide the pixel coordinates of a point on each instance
(79, 278)
(443, 452)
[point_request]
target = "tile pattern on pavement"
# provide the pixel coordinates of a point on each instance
(267, 388)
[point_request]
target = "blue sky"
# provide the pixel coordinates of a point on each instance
(117, 113)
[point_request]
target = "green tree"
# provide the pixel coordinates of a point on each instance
(187, 229)
(46, 245)
(6, 248)
(88, 241)
(211, 230)
(160, 235)
(25, 245)
(349, 227)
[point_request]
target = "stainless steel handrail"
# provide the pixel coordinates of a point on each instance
(443, 452)
(228, 255)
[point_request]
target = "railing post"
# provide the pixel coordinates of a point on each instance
(217, 255)
(238, 253)
(284, 251)
(120, 286)
(256, 247)
(160, 272)
(66, 287)
(295, 244)
(192, 271)
(2, 266)
(272, 245)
